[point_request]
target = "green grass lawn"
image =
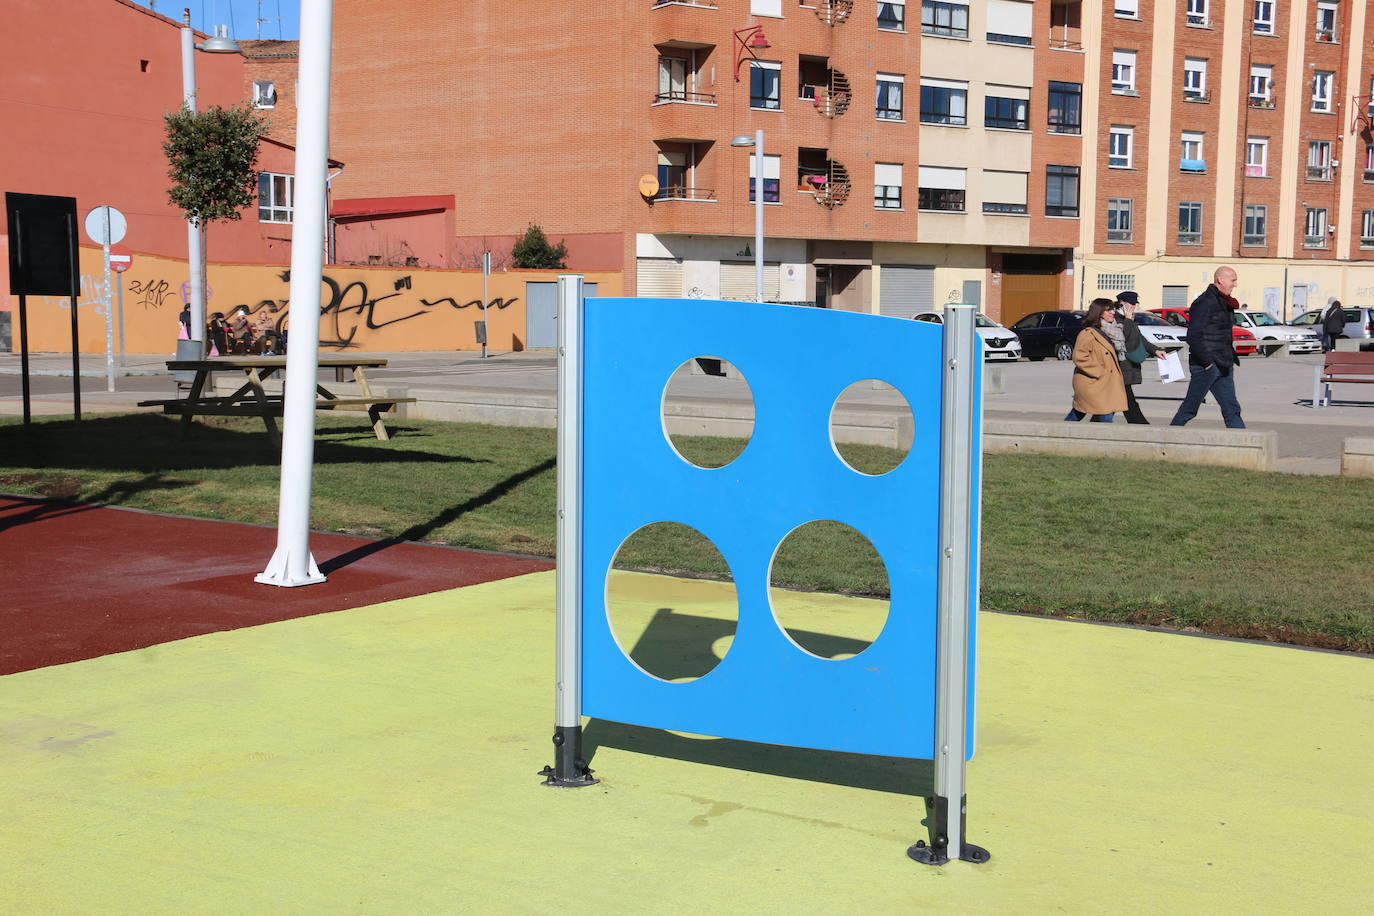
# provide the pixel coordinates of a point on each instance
(1225, 551)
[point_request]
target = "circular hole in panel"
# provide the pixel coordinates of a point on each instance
(717, 439)
(871, 426)
(829, 589)
(668, 617)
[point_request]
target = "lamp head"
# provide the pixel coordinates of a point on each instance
(742, 140)
(220, 42)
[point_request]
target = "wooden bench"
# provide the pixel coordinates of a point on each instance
(252, 400)
(1342, 368)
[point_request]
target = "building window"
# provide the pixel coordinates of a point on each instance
(1369, 162)
(1319, 160)
(1009, 22)
(1061, 190)
(1197, 12)
(766, 7)
(276, 197)
(765, 84)
(1066, 108)
(1127, 9)
(890, 96)
(1190, 222)
(264, 94)
(1114, 282)
(1256, 225)
(1191, 158)
(1261, 86)
(892, 15)
(941, 188)
(1119, 147)
(672, 79)
(887, 186)
(1263, 22)
(1256, 157)
(772, 171)
(948, 19)
(1314, 231)
(1326, 21)
(1004, 192)
(1123, 72)
(672, 175)
(944, 102)
(1119, 218)
(1007, 107)
(1322, 81)
(1367, 229)
(1195, 79)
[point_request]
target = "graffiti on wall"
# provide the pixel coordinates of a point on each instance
(151, 294)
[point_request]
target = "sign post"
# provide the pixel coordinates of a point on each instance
(121, 259)
(486, 273)
(105, 226)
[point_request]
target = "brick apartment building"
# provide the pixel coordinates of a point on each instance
(1023, 155)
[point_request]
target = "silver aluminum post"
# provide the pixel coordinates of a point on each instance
(758, 215)
(569, 769)
(960, 361)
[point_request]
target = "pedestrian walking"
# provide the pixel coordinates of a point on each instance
(1332, 325)
(1097, 386)
(1138, 349)
(1211, 355)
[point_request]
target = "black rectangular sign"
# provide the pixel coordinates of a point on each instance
(42, 236)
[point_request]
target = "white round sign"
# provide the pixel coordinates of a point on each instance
(106, 225)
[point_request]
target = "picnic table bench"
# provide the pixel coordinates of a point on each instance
(251, 399)
(1342, 368)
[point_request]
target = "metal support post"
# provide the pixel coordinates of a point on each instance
(569, 768)
(956, 593)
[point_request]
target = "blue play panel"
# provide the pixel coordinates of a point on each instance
(797, 362)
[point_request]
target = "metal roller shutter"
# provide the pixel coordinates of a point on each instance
(737, 281)
(658, 278)
(1175, 297)
(905, 289)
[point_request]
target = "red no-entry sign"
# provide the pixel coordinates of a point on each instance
(121, 259)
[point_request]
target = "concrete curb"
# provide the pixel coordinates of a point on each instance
(1239, 448)
(1357, 458)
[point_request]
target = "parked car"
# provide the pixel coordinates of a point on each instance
(1048, 333)
(1159, 332)
(998, 342)
(1241, 339)
(1266, 327)
(1359, 322)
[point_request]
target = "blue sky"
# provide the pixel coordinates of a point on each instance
(240, 15)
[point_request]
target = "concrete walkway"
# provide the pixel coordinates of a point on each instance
(1275, 393)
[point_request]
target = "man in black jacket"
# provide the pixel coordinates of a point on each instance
(1211, 355)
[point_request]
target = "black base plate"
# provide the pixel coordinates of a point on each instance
(929, 855)
(583, 778)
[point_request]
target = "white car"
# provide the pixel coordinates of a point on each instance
(998, 342)
(1159, 332)
(1266, 327)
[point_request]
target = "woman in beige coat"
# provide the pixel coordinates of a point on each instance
(1098, 387)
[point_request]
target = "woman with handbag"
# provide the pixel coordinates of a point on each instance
(1137, 350)
(1097, 385)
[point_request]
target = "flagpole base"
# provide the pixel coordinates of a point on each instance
(278, 571)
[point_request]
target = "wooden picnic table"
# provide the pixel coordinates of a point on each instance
(252, 399)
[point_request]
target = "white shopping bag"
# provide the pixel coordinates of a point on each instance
(1170, 368)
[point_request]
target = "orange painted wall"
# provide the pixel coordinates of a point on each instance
(87, 83)
(373, 309)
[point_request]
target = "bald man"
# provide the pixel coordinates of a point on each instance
(1211, 356)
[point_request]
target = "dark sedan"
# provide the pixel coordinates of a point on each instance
(1048, 333)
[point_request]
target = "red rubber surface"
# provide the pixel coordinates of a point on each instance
(81, 581)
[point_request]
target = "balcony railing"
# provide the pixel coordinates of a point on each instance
(705, 4)
(1198, 20)
(682, 193)
(1064, 43)
(1369, 176)
(1254, 240)
(1319, 173)
(678, 95)
(1327, 36)
(1197, 95)
(1258, 102)
(1190, 238)
(1314, 241)
(1254, 171)
(834, 12)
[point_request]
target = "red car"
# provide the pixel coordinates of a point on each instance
(1241, 339)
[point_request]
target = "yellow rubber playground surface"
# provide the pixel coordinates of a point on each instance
(383, 760)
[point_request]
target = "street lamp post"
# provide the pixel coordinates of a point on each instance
(756, 142)
(195, 235)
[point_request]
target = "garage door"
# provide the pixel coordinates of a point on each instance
(1175, 297)
(737, 280)
(658, 278)
(905, 289)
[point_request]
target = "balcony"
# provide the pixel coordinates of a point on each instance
(1198, 21)
(1254, 171)
(1319, 173)
(704, 4)
(1192, 165)
(1190, 238)
(823, 86)
(834, 12)
(1327, 36)
(1314, 241)
(1261, 102)
(679, 192)
(1192, 94)
(682, 95)
(825, 179)
(1251, 240)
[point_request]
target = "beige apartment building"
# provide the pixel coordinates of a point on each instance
(1022, 155)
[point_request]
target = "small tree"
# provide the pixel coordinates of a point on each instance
(534, 251)
(213, 158)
